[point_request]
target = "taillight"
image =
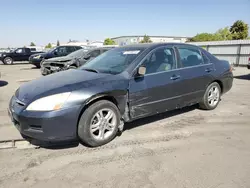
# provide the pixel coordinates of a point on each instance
(249, 59)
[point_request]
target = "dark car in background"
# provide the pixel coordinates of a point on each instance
(91, 103)
(71, 61)
(19, 54)
(58, 51)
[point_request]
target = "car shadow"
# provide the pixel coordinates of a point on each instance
(243, 77)
(29, 68)
(3, 83)
(161, 116)
(54, 146)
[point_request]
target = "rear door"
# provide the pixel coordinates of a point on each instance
(26, 54)
(195, 71)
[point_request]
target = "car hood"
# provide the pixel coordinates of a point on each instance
(43, 54)
(57, 83)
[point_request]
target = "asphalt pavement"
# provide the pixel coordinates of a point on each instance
(188, 148)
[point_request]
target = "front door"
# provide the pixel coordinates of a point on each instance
(18, 54)
(157, 90)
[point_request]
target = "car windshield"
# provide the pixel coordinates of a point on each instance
(77, 54)
(113, 61)
(51, 50)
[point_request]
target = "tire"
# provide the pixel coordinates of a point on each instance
(8, 61)
(86, 131)
(38, 66)
(207, 104)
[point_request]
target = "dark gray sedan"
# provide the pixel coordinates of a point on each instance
(126, 83)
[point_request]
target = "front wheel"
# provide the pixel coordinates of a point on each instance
(99, 123)
(8, 61)
(211, 97)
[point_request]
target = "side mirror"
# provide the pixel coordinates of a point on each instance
(141, 71)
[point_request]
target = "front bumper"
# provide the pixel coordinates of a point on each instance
(60, 125)
(35, 61)
(45, 70)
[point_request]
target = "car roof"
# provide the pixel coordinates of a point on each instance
(154, 45)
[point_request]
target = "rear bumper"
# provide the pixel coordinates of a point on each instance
(227, 82)
(60, 125)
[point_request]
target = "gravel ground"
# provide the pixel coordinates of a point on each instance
(185, 148)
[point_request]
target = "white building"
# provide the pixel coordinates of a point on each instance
(96, 43)
(125, 40)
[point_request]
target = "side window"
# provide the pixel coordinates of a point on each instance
(33, 49)
(61, 50)
(78, 47)
(94, 53)
(27, 50)
(19, 51)
(205, 58)
(190, 57)
(70, 49)
(162, 59)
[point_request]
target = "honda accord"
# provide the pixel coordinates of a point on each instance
(92, 103)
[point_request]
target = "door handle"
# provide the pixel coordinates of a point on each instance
(208, 70)
(175, 77)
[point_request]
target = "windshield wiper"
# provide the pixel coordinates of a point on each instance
(91, 70)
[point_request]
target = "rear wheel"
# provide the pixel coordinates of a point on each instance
(8, 61)
(99, 123)
(211, 97)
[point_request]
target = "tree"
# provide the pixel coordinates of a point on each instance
(108, 41)
(48, 45)
(146, 39)
(223, 34)
(58, 43)
(239, 30)
(200, 37)
(32, 44)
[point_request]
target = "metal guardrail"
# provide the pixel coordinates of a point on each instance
(237, 52)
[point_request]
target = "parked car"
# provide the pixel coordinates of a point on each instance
(19, 54)
(58, 51)
(71, 61)
(91, 103)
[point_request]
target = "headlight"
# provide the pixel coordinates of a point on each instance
(50, 103)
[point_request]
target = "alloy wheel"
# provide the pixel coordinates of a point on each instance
(213, 96)
(103, 124)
